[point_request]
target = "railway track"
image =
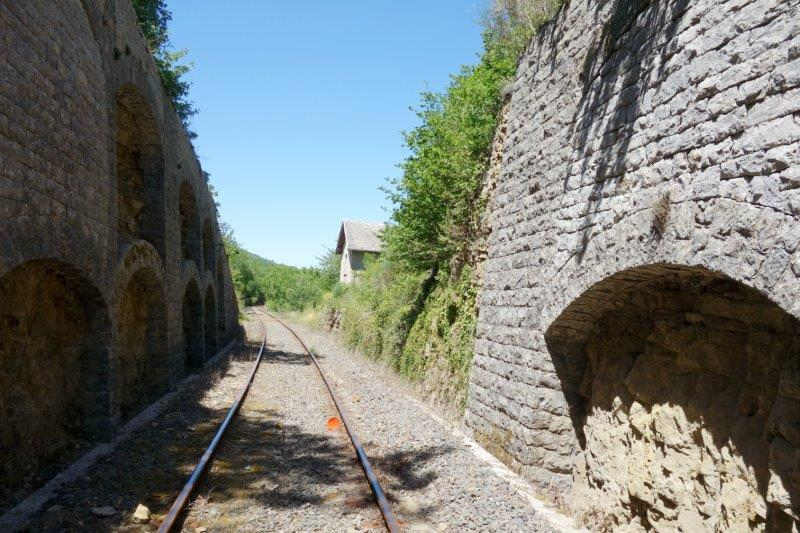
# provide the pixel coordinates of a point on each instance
(180, 503)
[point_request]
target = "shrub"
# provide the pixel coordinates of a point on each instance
(416, 306)
(512, 23)
(376, 313)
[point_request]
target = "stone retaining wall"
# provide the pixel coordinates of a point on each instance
(645, 140)
(92, 278)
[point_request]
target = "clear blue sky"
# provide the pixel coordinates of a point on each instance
(302, 104)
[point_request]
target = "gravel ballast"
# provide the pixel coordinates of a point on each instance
(438, 479)
(286, 463)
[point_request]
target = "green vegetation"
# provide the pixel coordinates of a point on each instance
(437, 200)
(153, 18)
(378, 311)
(415, 307)
(511, 24)
(422, 324)
(259, 281)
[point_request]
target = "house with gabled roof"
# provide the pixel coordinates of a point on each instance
(357, 240)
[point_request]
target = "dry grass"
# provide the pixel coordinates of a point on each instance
(507, 17)
(661, 210)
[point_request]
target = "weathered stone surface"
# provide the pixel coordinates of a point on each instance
(706, 434)
(648, 143)
(93, 166)
(104, 511)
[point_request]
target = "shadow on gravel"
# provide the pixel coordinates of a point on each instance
(403, 471)
(406, 468)
(11, 496)
(272, 462)
(280, 466)
(264, 463)
(286, 358)
(262, 459)
(153, 464)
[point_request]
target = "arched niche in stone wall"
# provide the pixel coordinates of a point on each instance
(54, 367)
(140, 171)
(210, 323)
(209, 246)
(193, 333)
(684, 390)
(142, 365)
(221, 324)
(191, 245)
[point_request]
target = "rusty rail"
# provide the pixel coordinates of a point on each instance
(383, 503)
(180, 502)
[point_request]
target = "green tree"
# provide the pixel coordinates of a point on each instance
(282, 287)
(437, 200)
(248, 287)
(328, 265)
(410, 307)
(510, 24)
(153, 18)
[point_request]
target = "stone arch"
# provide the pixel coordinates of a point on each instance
(191, 272)
(209, 246)
(141, 339)
(683, 386)
(54, 366)
(140, 171)
(210, 322)
(192, 326)
(136, 256)
(190, 224)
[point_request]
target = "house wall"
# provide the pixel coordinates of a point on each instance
(345, 268)
(357, 260)
(353, 261)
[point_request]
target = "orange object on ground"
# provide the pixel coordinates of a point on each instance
(333, 423)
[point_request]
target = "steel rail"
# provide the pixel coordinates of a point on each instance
(180, 502)
(383, 503)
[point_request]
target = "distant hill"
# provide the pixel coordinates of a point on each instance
(259, 281)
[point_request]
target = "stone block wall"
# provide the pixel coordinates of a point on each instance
(92, 278)
(647, 144)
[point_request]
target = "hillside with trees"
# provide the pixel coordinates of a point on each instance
(260, 281)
